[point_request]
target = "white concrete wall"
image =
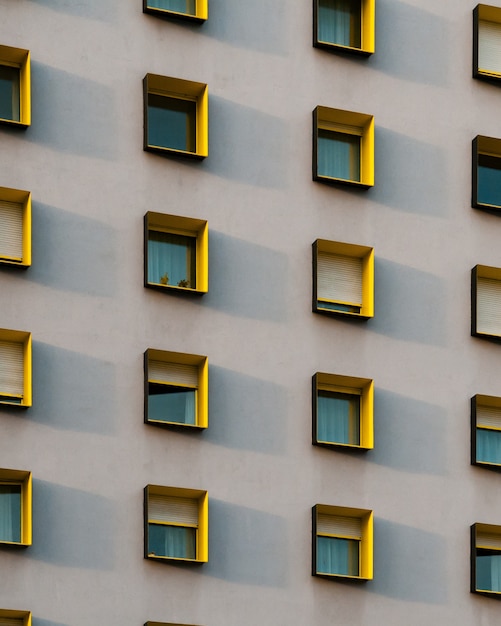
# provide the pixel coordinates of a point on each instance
(91, 318)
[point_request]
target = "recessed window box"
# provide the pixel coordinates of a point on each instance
(486, 560)
(15, 368)
(344, 25)
(192, 10)
(15, 87)
(343, 147)
(486, 173)
(487, 42)
(15, 227)
(175, 117)
(15, 507)
(486, 302)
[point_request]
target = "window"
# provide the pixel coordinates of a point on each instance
(193, 10)
(176, 253)
(343, 408)
(486, 173)
(343, 279)
(15, 96)
(487, 42)
(15, 507)
(343, 147)
(486, 559)
(342, 542)
(176, 389)
(175, 116)
(344, 25)
(486, 302)
(15, 367)
(14, 618)
(15, 227)
(176, 524)
(486, 431)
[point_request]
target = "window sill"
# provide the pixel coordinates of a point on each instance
(6, 122)
(173, 152)
(155, 557)
(330, 180)
(334, 444)
(342, 577)
(160, 287)
(175, 425)
(338, 47)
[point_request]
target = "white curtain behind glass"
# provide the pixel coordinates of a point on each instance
(334, 22)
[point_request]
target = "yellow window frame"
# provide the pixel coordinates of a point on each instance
(200, 16)
(24, 338)
(24, 480)
(476, 544)
(484, 13)
(366, 254)
(366, 551)
(187, 226)
(368, 31)
(202, 389)
(363, 388)
(488, 147)
(479, 272)
(19, 58)
(179, 89)
(22, 198)
(24, 617)
(477, 401)
(202, 535)
(348, 123)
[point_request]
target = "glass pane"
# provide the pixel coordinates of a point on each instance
(338, 155)
(172, 123)
(179, 6)
(10, 513)
(338, 417)
(174, 541)
(9, 93)
(488, 570)
(489, 180)
(339, 22)
(338, 556)
(171, 259)
(168, 403)
(488, 446)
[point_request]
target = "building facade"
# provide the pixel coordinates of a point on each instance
(103, 342)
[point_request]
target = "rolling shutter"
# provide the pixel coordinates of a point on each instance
(174, 373)
(339, 278)
(339, 525)
(489, 306)
(173, 509)
(489, 416)
(489, 46)
(488, 540)
(11, 230)
(11, 621)
(11, 368)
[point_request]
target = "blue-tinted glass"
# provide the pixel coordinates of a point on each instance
(179, 6)
(173, 541)
(339, 22)
(489, 180)
(171, 123)
(488, 568)
(338, 556)
(171, 259)
(488, 446)
(338, 417)
(338, 155)
(10, 513)
(9, 93)
(168, 403)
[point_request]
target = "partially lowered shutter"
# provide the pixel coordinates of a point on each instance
(339, 278)
(174, 373)
(489, 306)
(489, 46)
(488, 540)
(11, 368)
(339, 525)
(489, 416)
(11, 230)
(173, 509)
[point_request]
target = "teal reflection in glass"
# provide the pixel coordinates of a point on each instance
(338, 155)
(488, 568)
(489, 446)
(338, 556)
(338, 417)
(177, 542)
(9, 93)
(169, 403)
(172, 123)
(171, 259)
(339, 22)
(489, 180)
(10, 513)
(178, 6)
